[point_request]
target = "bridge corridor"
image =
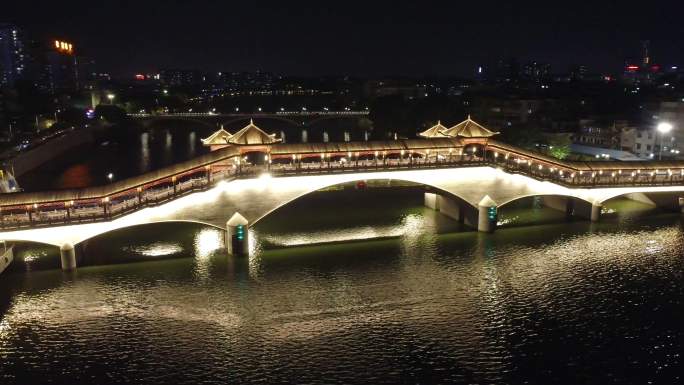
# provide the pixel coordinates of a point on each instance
(248, 175)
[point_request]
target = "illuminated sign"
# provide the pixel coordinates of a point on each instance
(64, 47)
(139, 77)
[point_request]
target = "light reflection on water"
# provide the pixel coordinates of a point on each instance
(560, 303)
(156, 249)
(410, 225)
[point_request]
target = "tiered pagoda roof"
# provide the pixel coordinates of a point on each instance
(434, 131)
(469, 129)
(251, 135)
(219, 137)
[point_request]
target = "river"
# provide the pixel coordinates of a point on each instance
(390, 293)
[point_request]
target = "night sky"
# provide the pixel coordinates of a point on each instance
(370, 38)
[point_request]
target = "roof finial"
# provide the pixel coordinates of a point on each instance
(251, 121)
(439, 122)
(469, 117)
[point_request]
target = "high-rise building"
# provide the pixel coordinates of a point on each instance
(536, 72)
(507, 71)
(13, 54)
(645, 56)
(578, 72)
(181, 77)
(61, 68)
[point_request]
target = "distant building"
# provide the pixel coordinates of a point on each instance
(578, 72)
(673, 113)
(181, 77)
(501, 112)
(536, 72)
(61, 68)
(13, 54)
(641, 142)
(596, 135)
(507, 71)
(407, 89)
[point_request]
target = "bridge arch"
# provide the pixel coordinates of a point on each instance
(532, 195)
(150, 223)
(433, 188)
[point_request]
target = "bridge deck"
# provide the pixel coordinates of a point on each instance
(105, 203)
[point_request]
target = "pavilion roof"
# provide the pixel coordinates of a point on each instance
(219, 137)
(251, 134)
(469, 129)
(434, 131)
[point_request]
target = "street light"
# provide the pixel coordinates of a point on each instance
(663, 128)
(110, 176)
(111, 98)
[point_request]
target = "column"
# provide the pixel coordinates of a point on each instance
(487, 214)
(596, 212)
(68, 257)
(237, 235)
(431, 201)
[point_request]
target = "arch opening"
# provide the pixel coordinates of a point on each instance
(355, 210)
(639, 204)
(538, 209)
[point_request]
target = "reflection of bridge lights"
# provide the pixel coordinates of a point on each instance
(207, 241)
(157, 249)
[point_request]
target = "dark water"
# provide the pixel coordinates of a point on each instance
(131, 149)
(124, 151)
(564, 303)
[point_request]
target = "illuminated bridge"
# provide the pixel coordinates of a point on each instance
(468, 175)
(212, 119)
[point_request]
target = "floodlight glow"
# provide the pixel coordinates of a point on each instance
(664, 127)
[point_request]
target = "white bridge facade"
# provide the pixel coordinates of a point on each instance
(466, 191)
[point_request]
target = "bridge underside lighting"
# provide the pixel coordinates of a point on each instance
(256, 198)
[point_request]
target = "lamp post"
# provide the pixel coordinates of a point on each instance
(111, 98)
(663, 128)
(110, 176)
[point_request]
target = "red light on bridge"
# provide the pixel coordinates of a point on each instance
(632, 68)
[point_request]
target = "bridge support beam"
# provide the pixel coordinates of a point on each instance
(237, 235)
(487, 215)
(68, 257)
(596, 212)
(445, 205)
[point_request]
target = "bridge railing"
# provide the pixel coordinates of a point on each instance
(57, 212)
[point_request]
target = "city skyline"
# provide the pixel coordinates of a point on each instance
(374, 40)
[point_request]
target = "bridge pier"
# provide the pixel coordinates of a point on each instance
(237, 235)
(596, 212)
(487, 215)
(68, 257)
(449, 207)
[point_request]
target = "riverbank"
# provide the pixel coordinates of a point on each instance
(31, 159)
